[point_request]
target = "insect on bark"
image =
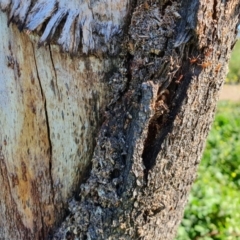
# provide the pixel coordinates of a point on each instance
(205, 64)
(179, 80)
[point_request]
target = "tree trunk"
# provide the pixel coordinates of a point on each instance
(108, 121)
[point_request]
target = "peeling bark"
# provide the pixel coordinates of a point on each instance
(128, 128)
(93, 23)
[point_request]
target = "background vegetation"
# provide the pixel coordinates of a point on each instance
(213, 211)
(233, 76)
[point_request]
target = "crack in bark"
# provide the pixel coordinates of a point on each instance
(170, 94)
(100, 208)
(214, 15)
(47, 125)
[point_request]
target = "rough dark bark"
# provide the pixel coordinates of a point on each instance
(155, 102)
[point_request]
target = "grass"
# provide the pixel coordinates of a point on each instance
(234, 70)
(213, 212)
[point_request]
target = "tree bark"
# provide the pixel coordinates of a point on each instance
(103, 129)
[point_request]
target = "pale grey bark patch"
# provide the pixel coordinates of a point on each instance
(4, 4)
(52, 25)
(15, 5)
(88, 25)
(21, 12)
(39, 13)
(66, 40)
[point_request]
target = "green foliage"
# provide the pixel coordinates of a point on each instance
(213, 212)
(234, 69)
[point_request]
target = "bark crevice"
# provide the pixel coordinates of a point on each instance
(47, 125)
(142, 167)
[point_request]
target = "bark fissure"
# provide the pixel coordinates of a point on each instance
(166, 107)
(117, 129)
(170, 95)
(47, 125)
(162, 94)
(215, 5)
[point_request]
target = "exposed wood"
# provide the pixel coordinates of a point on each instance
(133, 116)
(51, 109)
(142, 194)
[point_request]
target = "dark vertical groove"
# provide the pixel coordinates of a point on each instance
(47, 124)
(161, 126)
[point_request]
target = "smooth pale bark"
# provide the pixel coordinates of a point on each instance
(123, 121)
(50, 111)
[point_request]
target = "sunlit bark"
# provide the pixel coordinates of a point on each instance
(104, 111)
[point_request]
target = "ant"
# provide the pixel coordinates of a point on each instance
(178, 81)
